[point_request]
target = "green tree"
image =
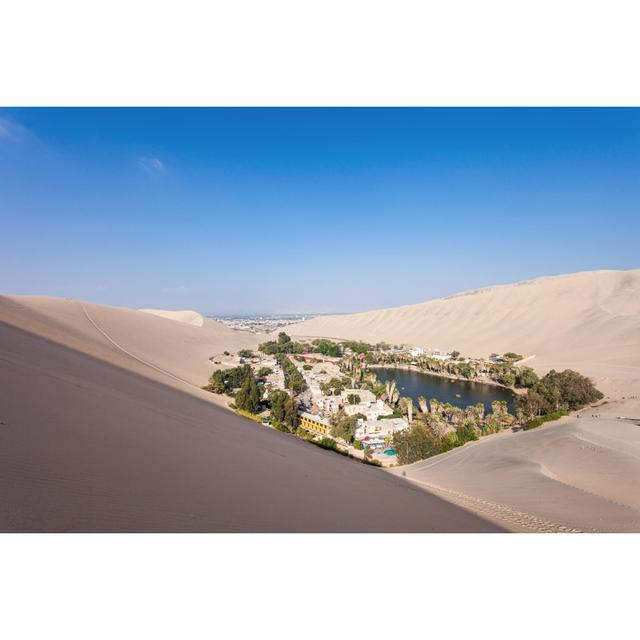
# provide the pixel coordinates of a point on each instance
(357, 347)
(248, 398)
(345, 426)
(227, 380)
(284, 409)
(467, 432)
(531, 405)
(293, 379)
(416, 443)
(526, 377)
(507, 378)
(283, 344)
(291, 414)
(335, 386)
(567, 390)
(328, 348)
(270, 347)
(283, 338)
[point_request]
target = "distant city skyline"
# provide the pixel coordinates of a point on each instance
(273, 211)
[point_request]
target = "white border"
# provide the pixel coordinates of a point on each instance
(319, 52)
(319, 586)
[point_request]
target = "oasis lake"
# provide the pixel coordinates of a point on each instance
(459, 393)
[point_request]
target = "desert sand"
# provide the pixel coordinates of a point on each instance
(103, 428)
(187, 316)
(578, 474)
(137, 340)
(586, 321)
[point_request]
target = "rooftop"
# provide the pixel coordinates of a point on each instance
(311, 416)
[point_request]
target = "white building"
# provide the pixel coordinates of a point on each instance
(329, 404)
(316, 391)
(440, 356)
(379, 428)
(372, 410)
(366, 396)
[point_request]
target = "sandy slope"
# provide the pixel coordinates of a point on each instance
(588, 321)
(94, 439)
(582, 473)
(188, 317)
(182, 348)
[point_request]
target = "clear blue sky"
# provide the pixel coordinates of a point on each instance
(277, 210)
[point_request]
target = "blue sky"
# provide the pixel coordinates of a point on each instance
(279, 210)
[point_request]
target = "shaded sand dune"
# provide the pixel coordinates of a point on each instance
(581, 473)
(100, 437)
(587, 321)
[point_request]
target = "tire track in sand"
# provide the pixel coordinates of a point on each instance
(133, 355)
(519, 519)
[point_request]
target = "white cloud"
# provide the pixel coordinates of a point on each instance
(151, 165)
(14, 132)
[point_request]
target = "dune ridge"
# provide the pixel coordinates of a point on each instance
(589, 321)
(186, 316)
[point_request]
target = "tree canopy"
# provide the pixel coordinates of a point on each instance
(327, 348)
(283, 344)
(345, 426)
(284, 409)
(248, 398)
(227, 380)
(357, 347)
(416, 443)
(526, 377)
(558, 391)
(293, 379)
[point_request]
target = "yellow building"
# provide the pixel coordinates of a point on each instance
(315, 424)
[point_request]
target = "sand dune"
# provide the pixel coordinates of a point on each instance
(587, 321)
(103, 428)
(181, 348)
(581, 473)
(188, 317)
